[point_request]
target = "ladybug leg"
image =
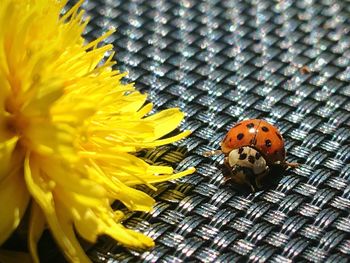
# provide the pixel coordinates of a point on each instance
(226, 163)
(211, 153)
(227, 170)
(252, 188)
(233, 173)
(250, 178)
(260, 178)
(292, 165)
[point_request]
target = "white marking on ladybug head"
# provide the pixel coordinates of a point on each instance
(248, 157)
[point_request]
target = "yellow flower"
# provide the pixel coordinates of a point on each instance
(68, 131)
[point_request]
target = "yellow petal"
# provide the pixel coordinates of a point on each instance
(4, 91)
(158, 178)
(126, 236)
(64, 233)
(36, 228)
(50, 139)
(134, 199)
(14, 199)
(135, 101)
(74, 112)
(130, 197)
(144, 110)
(42, 98)
(61, 228)
(90, 223)
(165, 121)
(70, 179)
(6, 150)
(159, 142)
(87, 217)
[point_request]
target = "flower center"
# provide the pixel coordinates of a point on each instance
(16, 123)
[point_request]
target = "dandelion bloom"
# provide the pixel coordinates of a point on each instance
(68, 131)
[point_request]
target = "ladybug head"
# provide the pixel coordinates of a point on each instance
(247, 157)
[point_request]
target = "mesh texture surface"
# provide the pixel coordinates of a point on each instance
(222, 62)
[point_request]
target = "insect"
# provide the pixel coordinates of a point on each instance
(252, 148)
(304, 70)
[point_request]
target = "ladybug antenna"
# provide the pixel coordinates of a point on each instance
(211, 153)
(292, 165)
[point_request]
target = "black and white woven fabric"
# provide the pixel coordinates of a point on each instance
(221, 61)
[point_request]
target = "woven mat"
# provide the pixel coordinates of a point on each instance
(221, 62)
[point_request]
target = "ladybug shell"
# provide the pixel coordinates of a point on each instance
(258, 134)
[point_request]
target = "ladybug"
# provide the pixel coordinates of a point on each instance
(252, 148)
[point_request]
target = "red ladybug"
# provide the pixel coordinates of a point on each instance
(252, 147)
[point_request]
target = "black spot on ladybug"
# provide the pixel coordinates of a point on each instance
(279, 136)
(257, 156)
(240, 150)
(264, 129)
(251, 159)
(240, 136)
(268, 143)
(253, 141)
(250, 125)
(242, 156)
